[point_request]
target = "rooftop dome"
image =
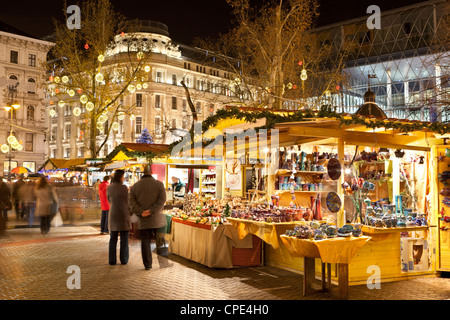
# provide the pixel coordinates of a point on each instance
(150, 26)
(370, 108)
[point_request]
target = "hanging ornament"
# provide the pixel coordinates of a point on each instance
(80, 90)
(19, 147)
(115, 126)
(99, 77)
(338, 88)
(65, 79)
(147, 68)
(131, 88)
(71, 93)
(121, 116)
(86, 46)
(84, 99)
(122, 34)
(300, 63)
(102, 119)
(89, 106)
(52, 113)
(138, 86)
(294, 86)
(51, 78)
(303, 75)
(145, 85)
(11, 139)
(56, 90)
(56, 79)
(61, 103)
(4, 148)
(132, 117)
(140, 55)
(76, 111)
(101, 58)
(289, 85)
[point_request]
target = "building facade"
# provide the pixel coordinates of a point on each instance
(21, 57)
(160, 105)
(405, 62)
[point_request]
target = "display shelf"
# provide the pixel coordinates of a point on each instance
(301, 191)
(281, 172)
(373, 230)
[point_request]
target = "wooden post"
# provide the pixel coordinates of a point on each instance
(340, 218)
(343, 281)
(308, 275)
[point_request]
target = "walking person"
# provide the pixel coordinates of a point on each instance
(104, 204)
(28, 197)
(5, 204)
(147, 199)
(119, 219)
(45, 197)
(18, 203)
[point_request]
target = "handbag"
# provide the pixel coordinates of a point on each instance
(57, 220)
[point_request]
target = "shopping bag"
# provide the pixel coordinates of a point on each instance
(57, 220)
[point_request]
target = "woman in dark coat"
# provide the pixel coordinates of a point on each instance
(119, 219)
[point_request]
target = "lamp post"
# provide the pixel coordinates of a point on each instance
(12, 142)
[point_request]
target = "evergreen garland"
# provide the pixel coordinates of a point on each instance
(272, 119)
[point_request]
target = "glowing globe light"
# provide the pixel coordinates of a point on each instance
(19, 147)
(71, 93)
(99, 77)
(145, 85)
(4, 148)
(61, 103)
(121, 116)
(52, 113)
(115, 126)
(76, 111)
(101, 58)
(65, 79)
(56, 79)
(89, 106)
(138, 86)
(11, 139)
(84, 99)
(147, 68)
(131, 88)
(303, 75)
(132, 117)
(140, 55)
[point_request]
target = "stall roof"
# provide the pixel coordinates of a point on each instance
(126, 151)
(55, 164)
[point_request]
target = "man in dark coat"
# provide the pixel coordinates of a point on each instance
(147, 199)
(5, 204)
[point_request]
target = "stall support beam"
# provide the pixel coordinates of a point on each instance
(340, 218)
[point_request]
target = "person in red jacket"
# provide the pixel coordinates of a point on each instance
(104, 204)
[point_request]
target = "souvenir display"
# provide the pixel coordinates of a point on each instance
(333, 202)
(334, 169)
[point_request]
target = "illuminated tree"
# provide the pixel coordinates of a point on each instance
(275, 55)
(95, 67)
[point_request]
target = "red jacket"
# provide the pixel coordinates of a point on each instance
(102, 194)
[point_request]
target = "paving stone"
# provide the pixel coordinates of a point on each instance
(34, 267)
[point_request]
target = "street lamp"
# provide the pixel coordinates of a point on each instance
(12, 142)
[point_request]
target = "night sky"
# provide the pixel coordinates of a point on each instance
(186, 19)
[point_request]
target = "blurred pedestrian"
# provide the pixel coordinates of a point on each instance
(18, 204)
(28, 197)
(45, 198)
(104, 204)
(147, 199)
(95, 188)
(119, 220)
(5, 204)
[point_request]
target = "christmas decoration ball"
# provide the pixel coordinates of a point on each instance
(76, 111)
(89, 106)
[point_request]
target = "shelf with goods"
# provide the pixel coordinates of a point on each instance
(443, 222)
(208, 183)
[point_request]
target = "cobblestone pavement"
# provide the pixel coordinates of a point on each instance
(34, 267)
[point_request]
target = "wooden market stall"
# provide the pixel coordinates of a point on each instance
(392, 250)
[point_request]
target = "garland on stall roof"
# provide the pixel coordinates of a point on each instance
(148, 155)
(272, 119)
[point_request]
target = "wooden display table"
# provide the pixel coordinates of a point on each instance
(213, 246)
(338, 250)
(266, 231)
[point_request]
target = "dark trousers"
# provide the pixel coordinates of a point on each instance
(146, 235)
(104, 221)
(45, 224)
(124, 251)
